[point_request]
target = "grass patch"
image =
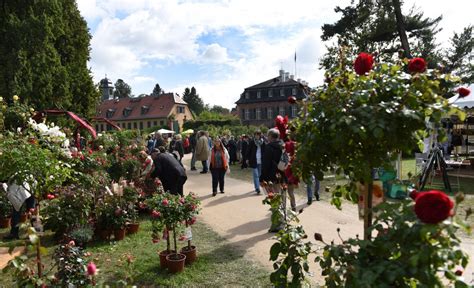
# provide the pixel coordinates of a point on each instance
(218, 263)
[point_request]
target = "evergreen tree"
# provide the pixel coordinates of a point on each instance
(195, 103)
(44, 48)
(122, 89)
(157, 90)
(458, 59)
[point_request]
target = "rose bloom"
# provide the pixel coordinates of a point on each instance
(292, 99)
(165, 202)
(417, 65)
(91, 269)
(433, 206)
(463, 92)
(363, 63)
(155, 214)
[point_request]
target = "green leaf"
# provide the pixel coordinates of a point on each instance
(275, 251)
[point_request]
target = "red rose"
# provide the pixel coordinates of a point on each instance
(417, 65)
(433, 206)
(414, 194)
(458, 272)
(165, 202)
(155, 214)
(50, 196)
(463, 92)
(292, 99)
(363, 63)
(182, 238)
(192, 221)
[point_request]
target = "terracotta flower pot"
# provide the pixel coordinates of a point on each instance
(23, 218)
(176, 262)
(119, 234)
(5, 222)
(163, 261)
(133, 228)
(190, 254)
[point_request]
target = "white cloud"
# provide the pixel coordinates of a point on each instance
(136, 39)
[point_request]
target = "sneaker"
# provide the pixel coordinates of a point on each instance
(258, 192)
(203, 172)
(193, 169)
(222, 192)
(310, 201)
(214, 193)
(317, 197)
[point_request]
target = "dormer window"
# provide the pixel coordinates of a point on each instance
(145, 109)
(127, 111)
(270, 93)
(247, 95)
(259, 94)
(110, 113)
(282, 92)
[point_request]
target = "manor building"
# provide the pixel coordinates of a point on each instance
(261, 103)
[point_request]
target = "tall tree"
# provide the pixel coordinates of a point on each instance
(219, 109)
(379, 26)
(157, 90)
(122, 89)
(195, 103)
(458, 58)
(44, 48)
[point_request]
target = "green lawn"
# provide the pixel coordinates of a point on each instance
(218, 262)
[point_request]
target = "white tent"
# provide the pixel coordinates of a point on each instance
(165, 131)
(464, 102)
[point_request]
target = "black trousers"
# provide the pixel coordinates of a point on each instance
(175, 187)
(204, 166)
(218, 175)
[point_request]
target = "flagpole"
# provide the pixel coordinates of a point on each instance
(295, 65)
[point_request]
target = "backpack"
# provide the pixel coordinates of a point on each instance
(284, 161)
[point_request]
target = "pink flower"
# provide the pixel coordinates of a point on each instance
(182, 238)
(50, 196)
(193, 207)
(181, 200)
(72, 243)
(91, 269)
(155, 214)
(192, 221)
(165, 202)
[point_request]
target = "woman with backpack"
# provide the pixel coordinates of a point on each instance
(218, 164)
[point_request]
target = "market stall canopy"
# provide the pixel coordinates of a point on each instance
(189, 131)
(165, 131)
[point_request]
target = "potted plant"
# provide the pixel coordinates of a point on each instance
(119, 222)
(130, 197)
(167, 215)
(191, 204)
(105, 218)
(5, 210)
(81, 235)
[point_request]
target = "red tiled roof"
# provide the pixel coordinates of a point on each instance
(158, 107)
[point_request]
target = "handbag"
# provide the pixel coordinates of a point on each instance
(284, 161)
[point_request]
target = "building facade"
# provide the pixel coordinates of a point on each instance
(261, 103)
(164, 110)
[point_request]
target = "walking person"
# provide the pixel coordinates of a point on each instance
(291, 179)
(309, 189)
(232, 150)
(256, 149)
(193, 143)
(178, 149)
(244, 147)
(202, 151)
(159, 141)
(219, 160)
(271, 176)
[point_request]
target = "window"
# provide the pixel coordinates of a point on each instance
(282, 92)
(109, 127)
(282, 111)
(97, 127)
(294, 110)
(162, 122)
(134, 125)
(269, 113)
(293, 91)
(101, 127)
(155, 123)
(141, 125)
(247, 95)
(270, 93)
(247, 114)
(145, 109)
(180, 109)
(148, 124)
(109, 113)
(259, 94)
(127, 111)
(129, 125)
(258, 114)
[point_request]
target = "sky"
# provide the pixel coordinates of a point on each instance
(222, 47)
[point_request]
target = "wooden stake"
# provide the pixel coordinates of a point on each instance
(368, 210)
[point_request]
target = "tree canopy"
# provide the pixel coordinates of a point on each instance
(157, 90)
(122, 89)
(379, 27)
(195, 103)
(44, 49)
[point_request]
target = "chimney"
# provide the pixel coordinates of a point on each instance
(282, 75)
(292, 77)
(287, 76)
(299, 80)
